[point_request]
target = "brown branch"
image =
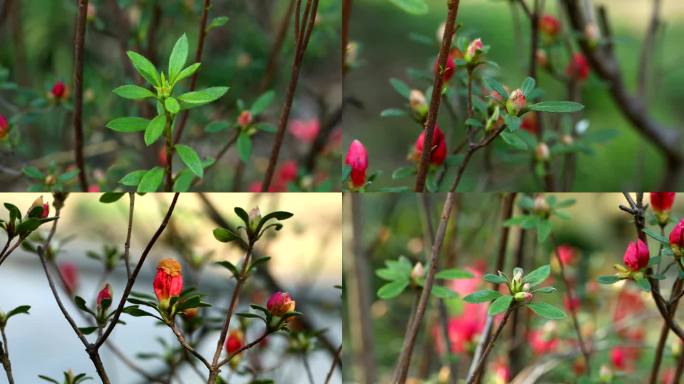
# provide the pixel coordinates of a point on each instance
(336, 359)
(277, 47)
(242, 349)
(648, 48)
(480, 363)
(346, 16)
(605, 64)
(198, 58)
(188, 347)
(4, 356)
(302, 35)
(79, 42)
(471, 151)
(407, 348)
(127, 244)
(431, 120)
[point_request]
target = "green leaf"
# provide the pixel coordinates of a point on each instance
(49, 379)
(133, 179)
(133, 92)
(513, 140)
(538, 276)
(187, 72)
(545, 290)
(128, 124)
(33, 172)
(609, 279)
(155, 129)
(392, 112)
(262, 103)
(183, 181)
(198, 98)
(64, 177)
(400, 87)
(443, 292)
(453, 274)
(496, 279)
(547, 311)
(111, 197)
(151, 180)
(224, 235)
(500, 305)
(87, 330)
(216, 126)
(266, 127)
(403, 172)
(145, 68)
(495, 85)
(392, 289)
(137, 312)
(527, 85)
(544, 228)
(473, 122)
(18, 310)
(172, 105)
(414, 7)
(643, 284)
(556, 106)
(244, 146)
(242, 214)
(655, 235)
(217, 22)
(179, 55)
(190, 158)
(482, 296)
(228, 265)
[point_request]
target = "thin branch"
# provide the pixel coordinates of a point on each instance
(431, 120)
(79, 42)
(188, 347)
(198, 58)
(242, 349)
(127, 244)
(6, 252)
(336, 359)
(277, 47)
(407, 348)
(472, 148)
(490, 345)
(648, 48)
(4, 356)
(346, 16)
(303, 35)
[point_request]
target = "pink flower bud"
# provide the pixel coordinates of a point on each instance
(523, 296)
(305, 131)
(542, 153)
(529, 123)
(94, 188)
(168, 282)
(234, 341)
(571, 305)
(280, 303)
(542, 58)
(69, 273)
(516, 102)
(636, 256)
(357, 159)
(40, 203)
(566, 254)
(59, 91)
(162, 157)
(104, 298)
(662, 201)
(244, 119)
(677, 239)
(439, 148)
(549, 25)
(578, 67)
(448, 70)
(4, 127)
(474, 51)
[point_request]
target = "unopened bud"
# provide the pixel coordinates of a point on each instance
(516, 102)
(605, 374)
(523, 296)
(417, 272)
(567, 140)
(418, 103)
(541, 207)
(50, 180)
(245, 119)
(473, 54)
(542, 58)
(542, 153)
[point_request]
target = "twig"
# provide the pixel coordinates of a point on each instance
(346, 16)
(79, 42)
(648, 48)
(198, 57)
(277, 47)
(4, 356)
(302, 35)
(490, 344)
(307, 368)
(127, 244)
(409, 342)
(431, 120)
(472, 148)
(6, 252)
(336, 359)
(184, 344)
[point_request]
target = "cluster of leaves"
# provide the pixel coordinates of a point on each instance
(69, 378)
(502, 302)
(22, 226)
(4, 317)
(540, 211)
(53, 179)
(272, 323)
(188, 299)
(399, 274)
(168, 107)
(254, 228)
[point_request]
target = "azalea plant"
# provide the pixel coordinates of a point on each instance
(520, 288)
(146, 108)
(240, 332)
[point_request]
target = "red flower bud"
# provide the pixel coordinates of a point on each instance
(474, 51)
(566, 254)
(448, 70)
(59, 90)
(162, 157)
(280, 303)
(636, 256)
(578, 67)
(439, 149)
(549, 25)
(104, 297)
(235, 341)
(4, 127)
(662, 201)
(40, 203)
(168, 282)
(677, 239)
(357, 159)
(244, 119)
(69, 273)
(516, 102)
(529, 123)
(305, 131)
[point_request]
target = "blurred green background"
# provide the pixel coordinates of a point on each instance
(387, 51)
